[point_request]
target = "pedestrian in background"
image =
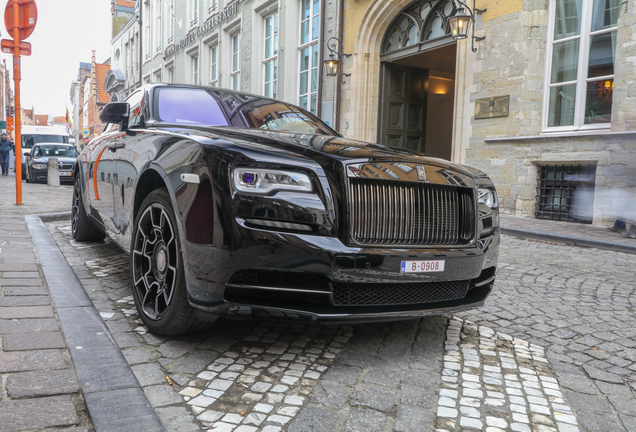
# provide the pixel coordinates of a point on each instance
(5, 152)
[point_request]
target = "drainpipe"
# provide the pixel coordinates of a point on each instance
(320, 60)
(141, 47)
(338, 79)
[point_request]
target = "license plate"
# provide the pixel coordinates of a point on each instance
(66, 173)
(422, 266)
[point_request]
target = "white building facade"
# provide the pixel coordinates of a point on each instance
(265, 47)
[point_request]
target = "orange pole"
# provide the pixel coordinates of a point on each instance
(16, 81)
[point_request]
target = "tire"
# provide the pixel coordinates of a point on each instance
(82, 227)
(157, 272)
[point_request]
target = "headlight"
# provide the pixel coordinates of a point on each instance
(258, 180)
(488, 197)
(39, 166)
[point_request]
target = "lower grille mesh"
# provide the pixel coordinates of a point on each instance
(352, 294)
(278, 279)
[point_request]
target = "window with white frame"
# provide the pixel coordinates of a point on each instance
(580, 78)
(148, 34)
(214, 66)
(270, 60)
(195, 69)
(212, 5)
(171, 33)
(235, 74)
(171, 75)
(195, 12)
(159, 35)
(309, 35)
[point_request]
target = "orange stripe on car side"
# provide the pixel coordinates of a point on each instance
(95, 172)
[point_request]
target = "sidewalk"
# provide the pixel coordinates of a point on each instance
(59, 365)
(568, 233)
(46, 380)
(40, 389)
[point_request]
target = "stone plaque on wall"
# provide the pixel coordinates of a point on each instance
(496, 106)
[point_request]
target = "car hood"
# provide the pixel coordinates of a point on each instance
(45, 160)
(317, 147)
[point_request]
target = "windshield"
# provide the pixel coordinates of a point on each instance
(220, 108)
(29, 140)
(54, 151)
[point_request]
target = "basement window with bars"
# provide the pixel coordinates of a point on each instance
(566, 193)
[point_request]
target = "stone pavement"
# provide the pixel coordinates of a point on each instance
(40, 389)
(482, 370)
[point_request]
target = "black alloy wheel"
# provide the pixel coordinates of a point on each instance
(82, 228)
(157, 270)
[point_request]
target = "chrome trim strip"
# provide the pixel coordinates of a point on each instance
(487, 281)
(232, 285)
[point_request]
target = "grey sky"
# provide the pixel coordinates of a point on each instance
(65, 34)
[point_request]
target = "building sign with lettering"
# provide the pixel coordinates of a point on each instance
(203, 30)
(492, 107)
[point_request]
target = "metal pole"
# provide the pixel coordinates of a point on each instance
(18, 116)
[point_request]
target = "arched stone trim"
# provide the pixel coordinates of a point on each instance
(114, 84)
(420, 22)
(365, 70)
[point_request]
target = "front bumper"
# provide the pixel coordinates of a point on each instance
(313, 277)
(42, 175)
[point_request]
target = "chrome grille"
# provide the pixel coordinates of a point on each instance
(406, 213)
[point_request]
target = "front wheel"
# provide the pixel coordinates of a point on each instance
(82, 228)
(157, 271)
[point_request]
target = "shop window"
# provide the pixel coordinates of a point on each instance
(566, 193)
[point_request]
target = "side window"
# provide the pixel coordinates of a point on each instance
(135, 108)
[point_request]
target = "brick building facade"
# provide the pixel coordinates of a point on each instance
(88, 97)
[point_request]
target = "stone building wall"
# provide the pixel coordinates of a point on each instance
(512, 61)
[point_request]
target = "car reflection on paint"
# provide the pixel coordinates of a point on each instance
(37, 160)
(238, 205)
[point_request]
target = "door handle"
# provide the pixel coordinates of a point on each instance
(116, 145)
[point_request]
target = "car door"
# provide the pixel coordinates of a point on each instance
(128, 152)
(99, 180)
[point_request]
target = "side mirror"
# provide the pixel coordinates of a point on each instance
(28, 154)
(116, 112)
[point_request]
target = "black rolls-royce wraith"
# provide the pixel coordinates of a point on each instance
(234, 204)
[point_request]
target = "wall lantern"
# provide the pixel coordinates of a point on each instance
(461, 22)
(334, 61)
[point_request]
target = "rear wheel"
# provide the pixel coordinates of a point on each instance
(82, 227)
(157, 271)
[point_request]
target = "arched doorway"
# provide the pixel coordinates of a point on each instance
(417, 84)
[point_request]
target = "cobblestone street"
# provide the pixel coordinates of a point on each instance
(580, 305)
(552, 350)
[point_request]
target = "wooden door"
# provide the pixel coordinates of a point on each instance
(403, 107)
